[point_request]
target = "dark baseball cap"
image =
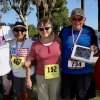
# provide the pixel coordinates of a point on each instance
(77, 11)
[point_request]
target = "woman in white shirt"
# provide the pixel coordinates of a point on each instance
(20, 48)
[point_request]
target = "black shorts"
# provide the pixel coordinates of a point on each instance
(0, 79)
(80, 87)
(19, 84)
(1, 84)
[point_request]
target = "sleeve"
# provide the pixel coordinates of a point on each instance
(64, 29)
(32, 53)
(8, 34)
(94, 38)
(93, 35)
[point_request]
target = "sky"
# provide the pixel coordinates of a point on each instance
(91, 13)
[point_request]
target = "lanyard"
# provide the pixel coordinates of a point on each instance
(74, 42)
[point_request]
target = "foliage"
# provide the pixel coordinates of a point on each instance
(60, 15)
(32, 30)
(55, 10)
(22, 7)
(44, 8)
(4, 6)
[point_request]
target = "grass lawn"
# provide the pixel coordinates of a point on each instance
(97, 96)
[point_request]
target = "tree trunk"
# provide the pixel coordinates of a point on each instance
(82, 4)
(98, 15)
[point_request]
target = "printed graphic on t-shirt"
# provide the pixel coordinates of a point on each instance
(18, 56)
(13, 51)
(17, 61)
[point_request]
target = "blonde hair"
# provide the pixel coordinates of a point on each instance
(44, 22)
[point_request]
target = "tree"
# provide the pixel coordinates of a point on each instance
(44, 8)
(60, 16)
(98, 15)
(32, 30)
(4, 5)
(55, 10)
(21, 7)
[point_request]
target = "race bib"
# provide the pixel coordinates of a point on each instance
(75, 64)
(51, 71)
(17, 61)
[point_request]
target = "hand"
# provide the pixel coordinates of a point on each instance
(6, 84)
(94, 48)
(26, 64)
(28, 83)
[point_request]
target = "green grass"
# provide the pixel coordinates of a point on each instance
(97, 96)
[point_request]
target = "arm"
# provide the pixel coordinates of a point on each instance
(27, 65)
(28, 79)
(94, 46)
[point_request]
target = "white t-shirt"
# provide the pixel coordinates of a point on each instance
(19, 49)
(5, 36)
(7, 33)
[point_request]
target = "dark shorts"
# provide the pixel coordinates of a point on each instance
(80, 86)
(19, 84)
(2, 88)
(0, 79)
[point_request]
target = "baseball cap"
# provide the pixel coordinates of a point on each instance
(19, 24)
(77, 11)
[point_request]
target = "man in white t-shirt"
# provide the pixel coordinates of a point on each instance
(5, 69)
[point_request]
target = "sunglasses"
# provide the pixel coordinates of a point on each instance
(21, 30)
(77, 19)
(46, 28)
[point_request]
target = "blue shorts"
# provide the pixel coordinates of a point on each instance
(80, 87)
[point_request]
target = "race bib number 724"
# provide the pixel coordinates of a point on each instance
(75, 64)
